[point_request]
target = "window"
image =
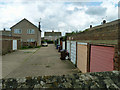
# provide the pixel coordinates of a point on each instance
(30, 31)
(17, 31)
(30, 40)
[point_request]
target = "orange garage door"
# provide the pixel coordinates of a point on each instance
(101, 58)
(82, 57)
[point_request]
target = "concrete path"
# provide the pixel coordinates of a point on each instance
(44, 61)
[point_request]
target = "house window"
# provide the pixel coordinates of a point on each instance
(17, 31)
(30, 31)
(30, 40)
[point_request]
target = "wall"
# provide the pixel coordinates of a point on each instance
(108, 31)
(118, 48)
(39, 38)
(106, 80)
(25, 44)
(24, 26)
(107, 34)
(51, 37)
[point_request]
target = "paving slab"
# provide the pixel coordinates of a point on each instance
(44, 61)
(13, 60)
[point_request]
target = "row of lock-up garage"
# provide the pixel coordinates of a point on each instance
(91, 57)
(94, 50)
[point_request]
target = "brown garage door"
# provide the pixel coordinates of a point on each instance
(101, 58)
(82, 57)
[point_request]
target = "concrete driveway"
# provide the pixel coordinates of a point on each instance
(36, 62)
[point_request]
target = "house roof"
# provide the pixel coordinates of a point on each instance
(106, 24)
(52, 33)
(23, 20)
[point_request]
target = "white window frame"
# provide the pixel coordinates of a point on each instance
(31, 40)
(17, 31)
(30, 31)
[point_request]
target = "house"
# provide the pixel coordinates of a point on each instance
(28, 32)
(5, 32)
(52, 35)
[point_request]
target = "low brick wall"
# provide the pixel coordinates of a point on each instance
(107, 80)
(25, 44)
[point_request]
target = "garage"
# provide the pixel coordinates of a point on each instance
(101, 58)
(63, 45)
(73, 52)
(68, 47)
(14, 44)
(82, 57)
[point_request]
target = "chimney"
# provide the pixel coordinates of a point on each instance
(90, 26)
(104, 21)
(39, 26)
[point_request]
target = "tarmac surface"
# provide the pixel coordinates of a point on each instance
(42, 61)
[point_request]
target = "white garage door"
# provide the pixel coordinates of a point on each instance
(68, 46)
(63, 45)
(14, 44)
(73, 52)
(58, 41)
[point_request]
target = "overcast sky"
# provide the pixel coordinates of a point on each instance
(64, 16)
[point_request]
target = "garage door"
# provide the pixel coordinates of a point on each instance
(82, 57)
(68, 46)
(101, 58)
(63, 45)
(58, 41)
(73, 52)
(14, 44)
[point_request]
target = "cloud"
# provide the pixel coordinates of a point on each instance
(96, 10)
(61, 16)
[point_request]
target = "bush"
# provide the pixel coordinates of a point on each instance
(28, 47)
(37, 46)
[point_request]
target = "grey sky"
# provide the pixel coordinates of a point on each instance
(59, 16)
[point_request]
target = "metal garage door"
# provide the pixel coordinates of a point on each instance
(82, 57)
(58, 41)
(101, 58)
(63, 45)
(68, 46)
(14, 44)
(73, 52)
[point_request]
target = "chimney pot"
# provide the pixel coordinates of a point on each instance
(4, 29)
(104, 21)
(90, 26)
(39, 26)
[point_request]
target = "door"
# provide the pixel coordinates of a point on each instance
(101, 58)
(58, 41)
(68, 46)
(73, 52)
(82, 57)
(63, 45)
(14, 44)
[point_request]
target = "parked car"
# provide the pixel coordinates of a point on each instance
(45, 44)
